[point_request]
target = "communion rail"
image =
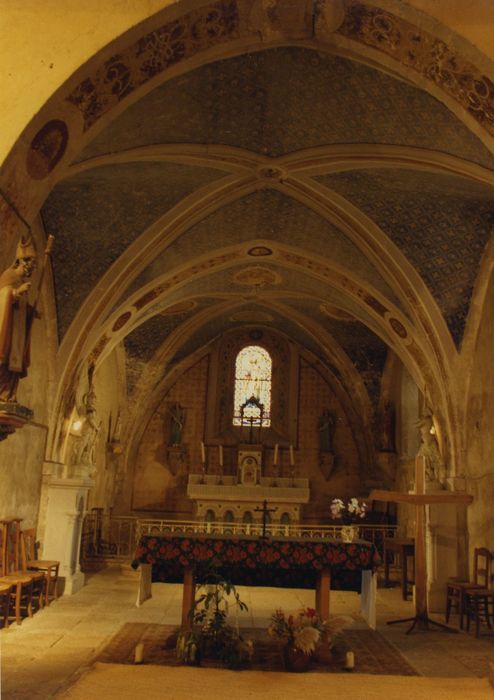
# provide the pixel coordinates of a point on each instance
(108, 537)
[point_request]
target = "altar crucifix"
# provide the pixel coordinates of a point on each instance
(265, 512)
(252, 414)
(420, 499)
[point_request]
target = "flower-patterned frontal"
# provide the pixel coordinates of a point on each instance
(284, 563)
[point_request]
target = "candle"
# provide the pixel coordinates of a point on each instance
(292, 461)
(350, 660)
(275, 460)
(203, 453)
(221, 455)
(139, 653)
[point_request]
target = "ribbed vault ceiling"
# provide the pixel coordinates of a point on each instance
(421, 192)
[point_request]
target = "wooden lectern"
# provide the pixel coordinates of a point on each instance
(420, 499)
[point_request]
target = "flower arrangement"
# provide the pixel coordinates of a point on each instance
(302, 630)
(349, 513)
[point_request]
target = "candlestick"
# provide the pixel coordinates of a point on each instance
(275, 459)
(203, 453)
(350, 661)
(221, 455)
(292, 461)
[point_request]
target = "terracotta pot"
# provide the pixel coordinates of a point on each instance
(295, 659)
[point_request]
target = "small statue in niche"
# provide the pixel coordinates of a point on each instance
(429, 448)
(388, 422)
(177, 420)
(326, 426)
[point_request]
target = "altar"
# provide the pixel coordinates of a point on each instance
(319, 564)
(236, 498)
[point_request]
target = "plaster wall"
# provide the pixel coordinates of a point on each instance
(472, 19)
(36, 63)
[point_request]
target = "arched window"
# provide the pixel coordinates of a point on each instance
(253, 366)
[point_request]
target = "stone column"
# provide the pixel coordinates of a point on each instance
(65, 508)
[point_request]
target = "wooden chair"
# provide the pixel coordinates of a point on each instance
(22, 582)
(479, 602)
(456, 587)
(21, 594)
(5, 599)
(30, 562)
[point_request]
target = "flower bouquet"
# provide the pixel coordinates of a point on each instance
(349, 514)
(301, 633)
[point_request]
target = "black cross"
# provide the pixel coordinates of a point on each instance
(264, 510)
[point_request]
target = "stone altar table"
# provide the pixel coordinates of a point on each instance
(319, 564)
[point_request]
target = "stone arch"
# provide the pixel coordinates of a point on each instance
(106, 84)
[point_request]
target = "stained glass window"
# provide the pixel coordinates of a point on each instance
(253, 367)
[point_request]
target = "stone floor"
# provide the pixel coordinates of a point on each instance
(47, 652)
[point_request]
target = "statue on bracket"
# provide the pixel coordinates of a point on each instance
(388, 422)
(83, 452)
(435, 472)
(177, 420)
(326, 426)
(16, 316)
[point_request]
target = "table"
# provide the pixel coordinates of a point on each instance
(319, 564)
(404, 548)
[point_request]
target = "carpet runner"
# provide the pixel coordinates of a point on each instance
(373, 653)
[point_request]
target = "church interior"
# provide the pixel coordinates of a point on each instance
(247, 269)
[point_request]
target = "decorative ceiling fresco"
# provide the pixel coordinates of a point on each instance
(303, 191)
(364, 349)
(272, 216)
(99, 213)
(440, 223)
(141, 344)
(283, 100)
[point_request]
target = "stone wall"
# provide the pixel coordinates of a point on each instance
(479, 431)
(161, 470)
(342, 479)
(110, 403)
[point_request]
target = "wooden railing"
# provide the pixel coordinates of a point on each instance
(108, 537)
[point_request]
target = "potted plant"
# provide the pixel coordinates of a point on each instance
(210, 635)
(301, 633)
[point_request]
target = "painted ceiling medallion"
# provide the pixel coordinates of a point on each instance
(252, 316)
(121, 321)
(47, 148)
(267, 173)
(259, 251)
(398, 327)
(257, 277)
(179, 308)
(336, 312)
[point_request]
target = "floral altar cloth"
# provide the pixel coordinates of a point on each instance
(285, 563)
